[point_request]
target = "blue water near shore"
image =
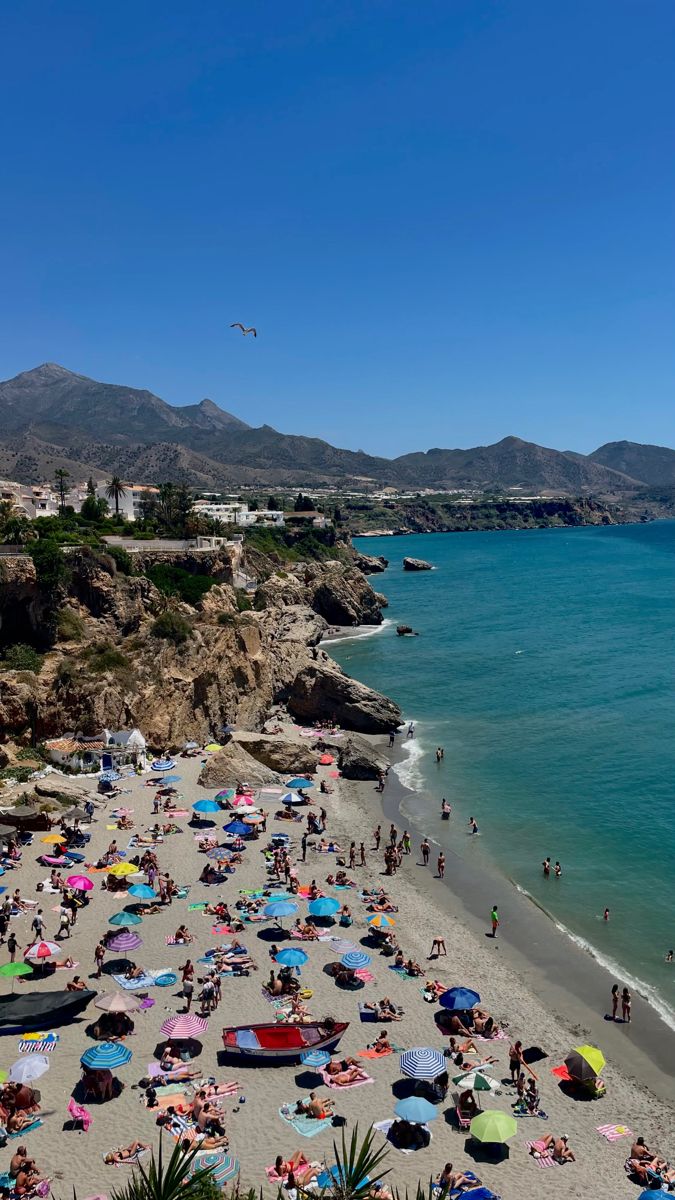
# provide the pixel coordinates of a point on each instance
(545, 667)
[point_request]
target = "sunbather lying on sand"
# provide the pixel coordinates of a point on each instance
(384, 1009)
(124, 1153)
(557, 1147)
(344, 1071)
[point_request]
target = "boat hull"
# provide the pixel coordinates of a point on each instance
(276, 1055)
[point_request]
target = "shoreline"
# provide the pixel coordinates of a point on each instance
(543, 954)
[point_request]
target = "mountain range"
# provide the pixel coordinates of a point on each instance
(51, 418)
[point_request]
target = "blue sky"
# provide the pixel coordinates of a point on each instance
(450, 221)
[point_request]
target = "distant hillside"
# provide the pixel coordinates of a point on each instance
(51, 417)
(654, 465)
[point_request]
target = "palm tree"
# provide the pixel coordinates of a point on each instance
(115, 491)
(60, 476)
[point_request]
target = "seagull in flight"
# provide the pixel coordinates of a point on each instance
(244, 330)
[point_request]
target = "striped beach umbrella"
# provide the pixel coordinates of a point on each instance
(289, 800)
(315, 1058)
(125, 941)
(253, 819)
(340, 945)
(141, 891)
(355, 960)
(80, 883)
(220, 1166)
(323, 906)
(184, 1026)
(422, 1063)
(225, 794)
(106, 1056)
(109, 776)
(125, 919)
(381, 921)
(42, 951)
(585, 1063)
(163, 764)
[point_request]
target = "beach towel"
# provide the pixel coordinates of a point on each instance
(545, 1159)
(613, 1133)
(561, 1073)
(498, 1036)
(171, 941)
(371, 1053)
(26, 1129)
(342, 1087)
(365, 975)
(128, 1162)
(216, 930)
(302, 1124)
(42, 1043)
(147, 979)
(199, 907)
(402, 972)
(385, 1126)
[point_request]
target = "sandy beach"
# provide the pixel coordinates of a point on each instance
(549, 1017)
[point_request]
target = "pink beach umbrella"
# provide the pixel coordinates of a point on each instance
(123, 942)
(184, 1026)
(42, 951)
(81, 883)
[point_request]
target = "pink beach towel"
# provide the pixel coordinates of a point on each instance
(612, 1133)
(545, 1159)
(342, 1087)
(365, 975)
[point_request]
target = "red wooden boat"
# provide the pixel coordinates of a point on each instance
(279, 1044)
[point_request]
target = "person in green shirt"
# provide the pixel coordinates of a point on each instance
(494, 917)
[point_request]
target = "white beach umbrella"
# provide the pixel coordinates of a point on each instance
(25, 1070)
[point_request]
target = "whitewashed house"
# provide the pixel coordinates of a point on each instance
(106, 750)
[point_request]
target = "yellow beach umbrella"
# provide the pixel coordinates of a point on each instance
(213, 746)
(53, 838)
(585, 1063)
(123, 869)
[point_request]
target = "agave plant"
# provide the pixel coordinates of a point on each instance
(355, 1165)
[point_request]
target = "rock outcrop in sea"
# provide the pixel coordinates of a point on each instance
(416, 564)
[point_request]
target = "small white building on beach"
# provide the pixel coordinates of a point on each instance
(107, 750)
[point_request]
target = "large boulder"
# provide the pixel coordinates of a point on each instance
(370, 564)
(321, 691)
(358, 759)
(233, 764)
(416, 564)
(279, 753)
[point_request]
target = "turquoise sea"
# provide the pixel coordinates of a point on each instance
(545, 667)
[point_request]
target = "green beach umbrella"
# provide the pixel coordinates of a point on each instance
(12, 970)
(476, 1082)
(493, 1126)
(585, 1063)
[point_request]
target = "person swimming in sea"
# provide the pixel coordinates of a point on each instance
(473, 828)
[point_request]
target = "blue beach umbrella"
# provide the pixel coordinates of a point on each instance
(289, 800)
(124, 918)
(292, 957)
(220, 1166)
(219, 852)
(163, 764)
(333, 1175)
(109, 776)
(299, 783)
(106, 1055)
(422, 1063)
(355, 960)
(459, 999)
(206, 806)
(415, 1109)
(237, 828)
(315, 1058)
(280, 908)
(141, 891)
(324, 906)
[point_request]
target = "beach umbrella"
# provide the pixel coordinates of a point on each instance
(324, 906)
(415, 1109)
(184, 1026)
(106, 1056)
(163, 764)
(337, 1175)
(243, 802)
(651, 1192)
(459, 999)
(109, 776)
(225, 794)
(123, 942)
(141, 891)
(289, 800)
(315, 1058)
(292, 957)
(236, 828)
(585, 1063)
(80, 883)
(220, 1166)
(124, 918)
(212, 747)
(52, 838)
(206, 806)
(493, 1126)
(191, 746)
(340, 945)
(253, 819)
(121, 869)
(422, 1063)
(12, 970)
(355, 960)
(326, 760)
(42, 951)
(25, 1070)
(299, 783)
(476, 1082)
(117, 1002)
(381, 921)
(219, 852)
(280, 908)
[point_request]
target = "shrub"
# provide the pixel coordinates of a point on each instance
(104, 657)
(242, 600)
(51, 569)
(70, 625)
(174, 581)
(122, 559)
(172, 627)
(20, 657)
(226, 618)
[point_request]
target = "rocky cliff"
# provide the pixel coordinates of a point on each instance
(108, 666)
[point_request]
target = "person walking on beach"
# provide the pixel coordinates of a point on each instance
(615, 1000)
(303, 843)
(362, 852)
(407, 845)
(99, 955)
(494, 920)
(426, 849)
(625, 1005)
(11, 945)
(392, 737)
(441, 865)
(411, 730)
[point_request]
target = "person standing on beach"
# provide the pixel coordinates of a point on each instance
(352, 855)
(494, 920)
(625, 1005)
(378, 837)
(441, 865)
(99, 955)
(11, 945)
(615, 1000)
(411, 730)
(303, 843)
(393, 835)
(425, 848)
(362, 852)
(392, 737)
(407, 845)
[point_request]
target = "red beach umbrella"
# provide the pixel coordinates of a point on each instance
(184, 1026)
